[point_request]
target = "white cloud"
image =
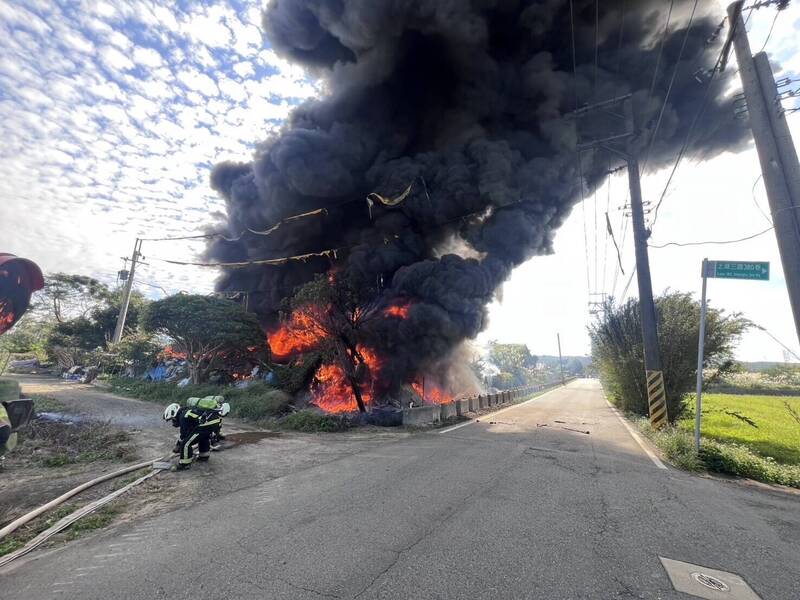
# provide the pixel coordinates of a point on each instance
(199, 82)
(120, 40)
(209, 28)
(147, 57)
(249, 40)
(76, 41)
(18, 17)
(114, 59)
(244, 69)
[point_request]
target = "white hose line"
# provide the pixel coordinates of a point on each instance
(14, 525)
(71, 518)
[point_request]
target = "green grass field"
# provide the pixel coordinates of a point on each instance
(769, 425)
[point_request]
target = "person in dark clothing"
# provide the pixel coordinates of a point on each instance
(173, 413)
(196, 426)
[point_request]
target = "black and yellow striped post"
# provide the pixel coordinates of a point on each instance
(657, 399)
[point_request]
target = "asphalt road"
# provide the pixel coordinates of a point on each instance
(517, 505)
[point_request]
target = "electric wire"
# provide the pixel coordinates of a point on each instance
(686, 141)
(628, 285)
(671, 82)
(596, 59)
(744, 239)
(623, 222)
(772, 27)
(609, 230)
(755, 200)
(785, 347)
(697, 116)
(577, 153)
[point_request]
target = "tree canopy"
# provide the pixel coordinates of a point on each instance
(515, 362)
(204, 328)
(66, 297)
(511, 357)
(619, 356)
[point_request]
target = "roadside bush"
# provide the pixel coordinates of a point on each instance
(728, 458)
(260, 404)
(137, 351)
(257, 401)
(677, 445)
(504, 381)
(618, 353)
(162, 391)
(311, 422)
(736, 459)
(9, 390)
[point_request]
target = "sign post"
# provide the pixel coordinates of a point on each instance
(719, 269)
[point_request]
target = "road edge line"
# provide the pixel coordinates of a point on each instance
(656, 461)
(502, 410)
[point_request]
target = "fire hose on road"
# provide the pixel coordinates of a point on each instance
(78, 514)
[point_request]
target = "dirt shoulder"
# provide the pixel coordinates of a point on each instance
(249, 457)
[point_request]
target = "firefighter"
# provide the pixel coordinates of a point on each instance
(197, 424)
(173, 414)
(7, 437)
(223, 408)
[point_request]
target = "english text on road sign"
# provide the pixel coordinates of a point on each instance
(725, 269)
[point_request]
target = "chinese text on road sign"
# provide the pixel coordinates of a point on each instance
(722, 269)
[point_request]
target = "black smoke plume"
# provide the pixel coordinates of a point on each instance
(468, 100)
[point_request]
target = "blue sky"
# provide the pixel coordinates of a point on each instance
(112, 114)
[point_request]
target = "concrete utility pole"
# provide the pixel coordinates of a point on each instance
(654, 377)
(560, 362)
(126, 294)
(776, 153)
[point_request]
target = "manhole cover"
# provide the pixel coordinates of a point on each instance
(711, 582)
(704, 582)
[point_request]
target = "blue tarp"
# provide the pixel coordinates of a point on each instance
(157, 373)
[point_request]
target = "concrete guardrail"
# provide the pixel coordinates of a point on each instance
(421, 416)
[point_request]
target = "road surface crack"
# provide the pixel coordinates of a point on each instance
(292, 585)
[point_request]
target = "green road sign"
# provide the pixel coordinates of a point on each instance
(722, 269)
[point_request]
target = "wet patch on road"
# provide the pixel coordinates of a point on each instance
(249, 437)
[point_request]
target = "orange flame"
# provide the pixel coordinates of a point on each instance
(300, 334)
(332, 390)
(399, 311)
(433, 394)
(6, 315)
(170, 353)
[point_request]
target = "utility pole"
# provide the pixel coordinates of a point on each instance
(654, 377)
(126, 294)
(776, 153)
(560, 361)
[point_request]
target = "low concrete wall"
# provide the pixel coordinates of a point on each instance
(421, 415)
(462, 407)
(448, 411)
(427, 415)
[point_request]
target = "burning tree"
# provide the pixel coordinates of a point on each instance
(330, 315)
